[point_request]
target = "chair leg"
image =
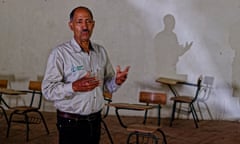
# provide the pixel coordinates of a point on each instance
(4, 113)
(107, 130)
(194, 110)
(208, 110)
(44, 122)
(148, 135)
(129, 137)
(173, 113)
(9, 124)
(194, 115)
(210, 115)
(163, 135)
(27, 127)
(178, 110)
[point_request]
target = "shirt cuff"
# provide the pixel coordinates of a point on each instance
(68, 89)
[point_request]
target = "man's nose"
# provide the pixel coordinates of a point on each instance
(84, 25)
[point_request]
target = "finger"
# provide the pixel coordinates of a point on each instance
(125, 72)
(90, 85)
(127, 69)
(118, 69)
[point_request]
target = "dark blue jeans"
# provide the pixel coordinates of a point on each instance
(73, 131)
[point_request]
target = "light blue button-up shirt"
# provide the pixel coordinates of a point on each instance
(68, 63)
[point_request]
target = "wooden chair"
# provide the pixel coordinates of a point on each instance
(27, 114)
(189, 100)
(148, 101)
(3, 85)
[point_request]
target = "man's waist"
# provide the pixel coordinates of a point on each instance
(89, 117)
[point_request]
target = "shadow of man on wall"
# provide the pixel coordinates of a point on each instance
(168, 49)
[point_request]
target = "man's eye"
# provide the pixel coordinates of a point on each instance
(86, 22)
(89, 21)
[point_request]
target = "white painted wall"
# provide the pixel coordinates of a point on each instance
(133, 33)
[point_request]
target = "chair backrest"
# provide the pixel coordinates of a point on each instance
(3, 83)
(107, 96)
(35, 89)
(207, 88)
(35, 85)
(152, 97)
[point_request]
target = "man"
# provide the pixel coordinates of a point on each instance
(77, 73)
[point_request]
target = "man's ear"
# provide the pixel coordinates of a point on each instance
(70, 24)
(93, 24)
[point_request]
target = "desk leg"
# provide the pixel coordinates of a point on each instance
(173, 113)
(159, 115)
(174, 91)
(145, 116)
(107, 130)
(4, 113)
(3, 101)
(119, 118)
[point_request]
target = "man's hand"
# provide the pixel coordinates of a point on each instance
(188, 45)
(87, 83)
(121, 76)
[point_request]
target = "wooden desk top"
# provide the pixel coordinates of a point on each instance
(170, 81)
(11, 92)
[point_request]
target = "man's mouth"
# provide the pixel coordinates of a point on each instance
(85, 31)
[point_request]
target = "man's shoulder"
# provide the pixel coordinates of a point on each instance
(96, 45)
(63, 45)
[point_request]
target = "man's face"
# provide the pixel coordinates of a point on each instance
(82, 25)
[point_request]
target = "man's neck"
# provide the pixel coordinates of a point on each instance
(85, 46)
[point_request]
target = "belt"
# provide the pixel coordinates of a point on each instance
(78, 117)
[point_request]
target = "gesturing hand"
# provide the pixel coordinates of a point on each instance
(188, 45)
(121, 76)
(87, 83)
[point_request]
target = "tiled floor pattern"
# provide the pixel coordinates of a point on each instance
(182, 131)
